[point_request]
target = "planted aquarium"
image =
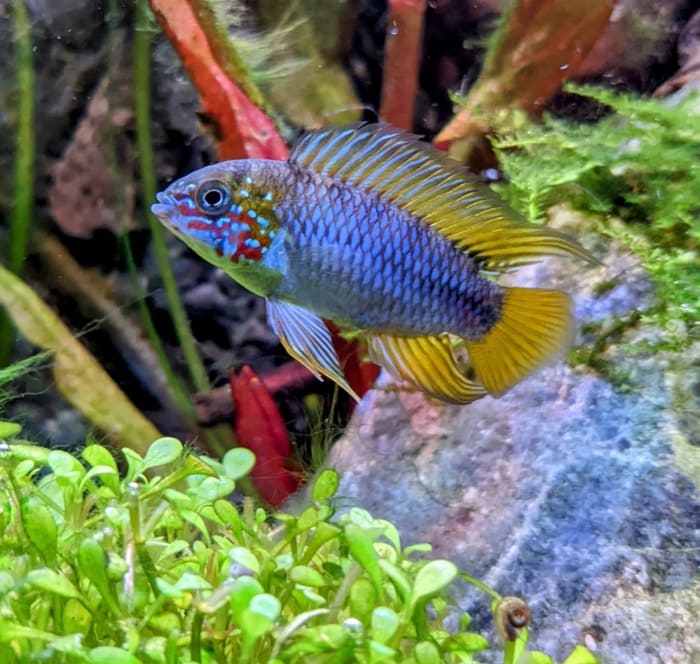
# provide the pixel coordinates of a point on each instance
(349, 331)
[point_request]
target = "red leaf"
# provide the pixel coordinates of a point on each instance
(241, 128)
(360, 375)
(260, 428)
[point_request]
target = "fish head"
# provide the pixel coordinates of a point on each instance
(220, 212)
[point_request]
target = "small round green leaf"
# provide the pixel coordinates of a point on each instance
(381, 653)
(466, 642)
(307, 576)
(362, 550)
(432, 578)
(97, 455)
(384, 624)
(76, 618)
(135, 463)
(191, 581)
(69, 645)
(108, 476)
(52, 582)
(325, 486)
(580, 655)
(213, 488)
(244, 589)
(253, 626)
(265, 605)
(427, 653)
(65, 465)
(245, 558)
(36, 453)
(111, 655)
(9, 430)
(40, 526)
(162, 451)
(238, 462)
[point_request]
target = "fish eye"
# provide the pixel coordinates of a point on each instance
(213, 197)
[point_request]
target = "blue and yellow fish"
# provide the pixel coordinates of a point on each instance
(372, 229)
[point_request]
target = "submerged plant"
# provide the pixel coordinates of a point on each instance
(638, 164)
(157, 565)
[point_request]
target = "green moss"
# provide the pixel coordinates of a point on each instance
(638, 164)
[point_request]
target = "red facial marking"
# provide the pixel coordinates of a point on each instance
(244, 233)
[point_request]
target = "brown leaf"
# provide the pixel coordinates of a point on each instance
(538, 45)
(688, 56)
(88, 192)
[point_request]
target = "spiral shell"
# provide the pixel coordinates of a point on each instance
(511, 614)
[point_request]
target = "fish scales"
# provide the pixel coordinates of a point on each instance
(394, 273)
(374, 230)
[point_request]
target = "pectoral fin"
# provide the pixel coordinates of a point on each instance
(307, 339)
(427, 363)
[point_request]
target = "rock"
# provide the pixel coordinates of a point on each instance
(576, 491)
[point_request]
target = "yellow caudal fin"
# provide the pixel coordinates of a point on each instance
(535, 327)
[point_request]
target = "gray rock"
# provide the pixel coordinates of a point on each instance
(576, 492)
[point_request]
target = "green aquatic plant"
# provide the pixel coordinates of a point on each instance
(16, 370)
(157, 565)
(143, 32)
(637, 170)
(23, 203)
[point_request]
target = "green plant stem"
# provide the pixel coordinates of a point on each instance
(142, 103)
(196, 637)
(178, 390)
(480, 585)
(21, 215)
(218, 439)
(20, 220)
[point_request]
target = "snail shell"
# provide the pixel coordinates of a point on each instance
(511, 614)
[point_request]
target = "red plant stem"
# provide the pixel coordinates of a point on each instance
(240, 127)
(402, 50)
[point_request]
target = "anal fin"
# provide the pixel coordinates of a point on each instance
(427, 363)
(307, 339)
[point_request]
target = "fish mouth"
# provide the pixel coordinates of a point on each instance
(164, 208)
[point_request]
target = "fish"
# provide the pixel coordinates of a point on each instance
(371, 228)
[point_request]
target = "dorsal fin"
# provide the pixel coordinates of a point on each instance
(428, 184)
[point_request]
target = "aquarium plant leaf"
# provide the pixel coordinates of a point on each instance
(241, 127)
(91, 292)
(260, 428)
(536, 47)
(79, 377)
(402, 51)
